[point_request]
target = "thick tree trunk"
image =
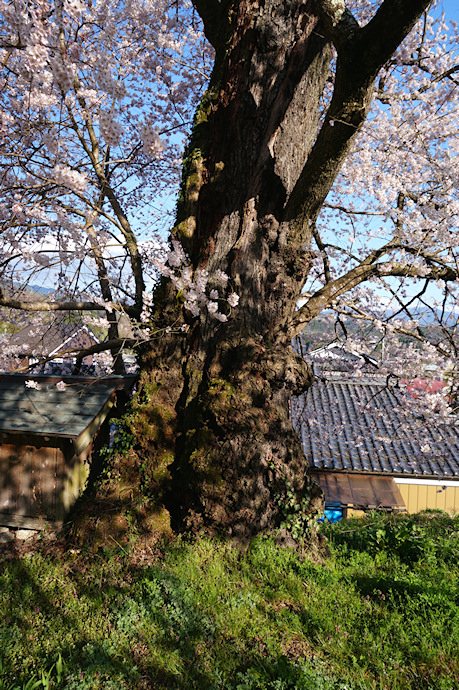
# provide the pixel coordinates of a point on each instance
(237, 455)
(213, 402)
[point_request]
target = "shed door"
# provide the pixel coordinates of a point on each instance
(28, 480)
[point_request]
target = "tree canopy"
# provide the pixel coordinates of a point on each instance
(93, 97)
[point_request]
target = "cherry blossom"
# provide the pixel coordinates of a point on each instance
(96, 100)
(32, 384)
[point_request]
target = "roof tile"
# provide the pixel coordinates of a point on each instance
(358, 424)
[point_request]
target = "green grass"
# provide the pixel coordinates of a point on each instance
(379, 612)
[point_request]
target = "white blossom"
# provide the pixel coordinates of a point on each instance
(70, 178)
(192, 307)
(233, 299)
(32, 384)
(222, 277)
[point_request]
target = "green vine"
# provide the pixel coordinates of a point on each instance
(123, 439)
(296, 512)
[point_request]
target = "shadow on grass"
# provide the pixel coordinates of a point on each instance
(117, 625)
(399, 591)
(106, 637)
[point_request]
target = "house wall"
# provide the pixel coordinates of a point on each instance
(423, 494)
(434, 496)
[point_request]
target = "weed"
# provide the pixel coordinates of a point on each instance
(297, 517)
(45, 680)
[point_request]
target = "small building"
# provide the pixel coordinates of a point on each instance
(50, 429)
(337, 357)
(334, 356)
(53, 339)
(369, 448)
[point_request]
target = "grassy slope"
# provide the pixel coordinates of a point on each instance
(379, 612)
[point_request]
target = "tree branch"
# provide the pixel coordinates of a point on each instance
(324, 297)
(340, 24)
(215, 17)
(361, 54)
(360, 315)
(70, 305)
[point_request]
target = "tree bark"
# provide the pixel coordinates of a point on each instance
(237, 454)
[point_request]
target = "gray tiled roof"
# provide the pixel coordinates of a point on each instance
(358, 424)
(337, 353)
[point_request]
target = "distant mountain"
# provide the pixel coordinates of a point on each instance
(428, 317)
(41, 289)
(19, 288)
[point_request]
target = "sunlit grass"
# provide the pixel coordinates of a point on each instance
(379, 612)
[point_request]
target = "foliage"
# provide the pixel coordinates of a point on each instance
(379, 612)
(122, 439)
(296, 512)
(411, 538)
(45, 679)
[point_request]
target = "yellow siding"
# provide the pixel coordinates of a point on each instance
(354, 513)
(419, 497)
(422, 497)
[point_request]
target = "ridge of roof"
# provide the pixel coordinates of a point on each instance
(47, 337)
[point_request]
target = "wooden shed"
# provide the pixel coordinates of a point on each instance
(49, 429)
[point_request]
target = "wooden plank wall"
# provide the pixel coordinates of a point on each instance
(40, 483)
(29, 480)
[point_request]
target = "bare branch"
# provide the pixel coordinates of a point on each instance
(326, 296)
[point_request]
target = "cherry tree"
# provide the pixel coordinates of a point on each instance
(93, 102)
(320, 171)
(397, 194)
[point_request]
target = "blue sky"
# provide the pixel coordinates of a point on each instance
(451, 8)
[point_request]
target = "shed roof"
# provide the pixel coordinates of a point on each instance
(75, 412)
(355, 490)
(358, 424)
